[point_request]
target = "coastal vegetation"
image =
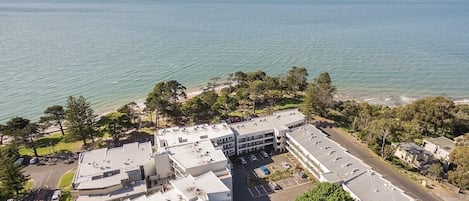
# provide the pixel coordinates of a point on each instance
(12, 179)
(379, 126)
(244, 95)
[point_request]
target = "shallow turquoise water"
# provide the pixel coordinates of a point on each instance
(112, 52)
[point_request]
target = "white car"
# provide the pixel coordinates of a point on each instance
(264, 154)
(286, 165)
(56, 196)
(253, 158)
(243, 161)
(34, 160)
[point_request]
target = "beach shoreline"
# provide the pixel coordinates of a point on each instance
(391, 101)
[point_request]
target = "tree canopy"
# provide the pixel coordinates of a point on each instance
(319, 96)
(460, 175)
(80, 117)
(55, 114)
(12, 179)
(164, 98)
(325, 192)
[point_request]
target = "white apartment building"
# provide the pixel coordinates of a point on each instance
(266, 132)
(220, 135)
(193, 159)
(206, 187)
(113, 174)
(330, 162)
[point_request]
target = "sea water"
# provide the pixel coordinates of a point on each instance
(114, 51)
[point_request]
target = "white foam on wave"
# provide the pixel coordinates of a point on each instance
(407, 100)
(462, 102)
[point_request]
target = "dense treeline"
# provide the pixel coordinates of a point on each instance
(379, 126)
(244, 92)
(427, 117)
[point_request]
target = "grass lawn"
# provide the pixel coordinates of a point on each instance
(66, 179)
(28, 185)
(53, 143)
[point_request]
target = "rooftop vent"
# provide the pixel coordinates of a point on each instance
(337, 158)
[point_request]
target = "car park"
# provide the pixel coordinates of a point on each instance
(264, 170)
(264, 154)
(253, 157)
(286, 165)
(243, 161)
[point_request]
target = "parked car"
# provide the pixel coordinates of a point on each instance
(264, 170)
(34, 160)
(286, 165)
(274, 185)
(56, 196)
(243, 161)
(264, 154)
(253, 157)
(19, 161)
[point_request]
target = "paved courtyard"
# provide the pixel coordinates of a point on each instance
(243, 190)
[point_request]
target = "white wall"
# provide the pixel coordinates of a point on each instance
(162, 165)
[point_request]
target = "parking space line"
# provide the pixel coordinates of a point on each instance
(264, 189)
(257, 190)
(295, 181)
(251, 192)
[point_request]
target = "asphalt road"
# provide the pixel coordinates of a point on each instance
(47, 176)
(362, 152)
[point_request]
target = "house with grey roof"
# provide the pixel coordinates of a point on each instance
(440, 147)
(412, 154)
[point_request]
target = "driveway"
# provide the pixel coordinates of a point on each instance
(48, 175)
(362, 152)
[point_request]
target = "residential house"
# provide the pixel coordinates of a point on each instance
(412, 154)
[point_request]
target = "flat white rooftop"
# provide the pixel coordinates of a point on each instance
(190, 188)
(279, 120)
(139, 188)
(102, 168)
(196, 154)
(341, 165)
(176, 135)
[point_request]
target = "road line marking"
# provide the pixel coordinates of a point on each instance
(251, 192)
(264, 190)
(48, 177)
